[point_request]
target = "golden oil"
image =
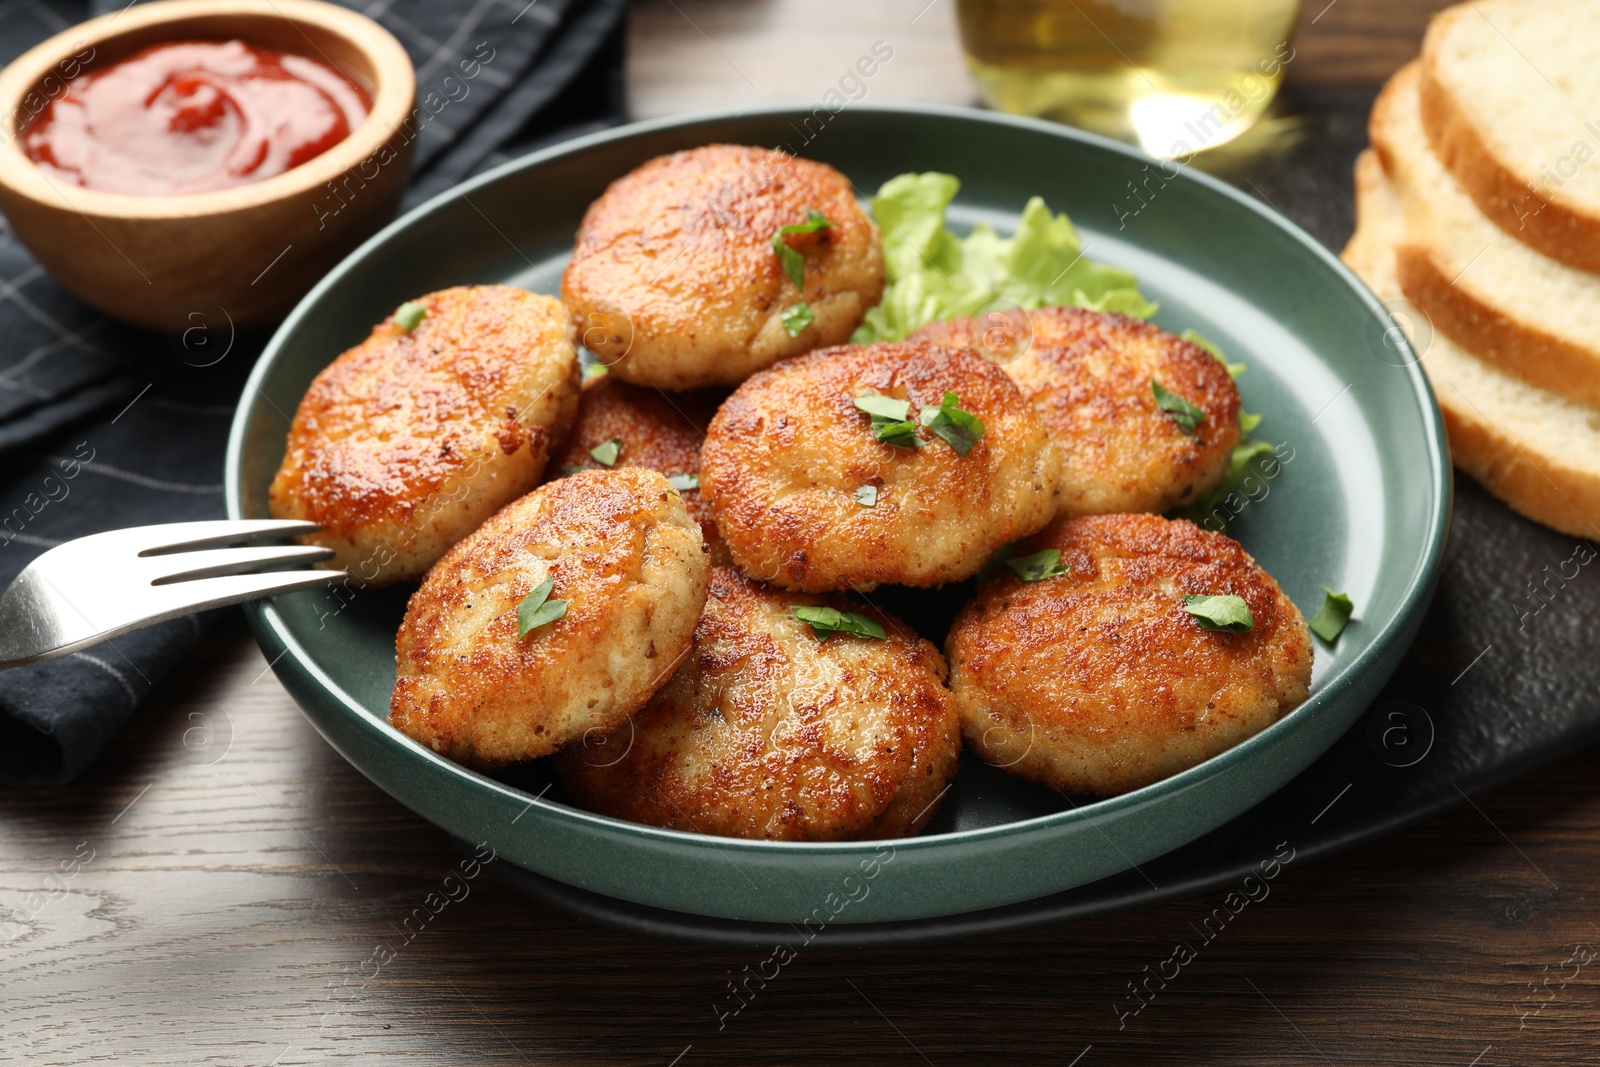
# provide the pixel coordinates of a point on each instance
(1174, 77)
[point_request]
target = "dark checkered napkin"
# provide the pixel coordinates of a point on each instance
(104, 426)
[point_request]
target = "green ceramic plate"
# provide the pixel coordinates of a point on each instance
(1360, 503)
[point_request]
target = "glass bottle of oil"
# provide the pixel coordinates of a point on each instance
(1173, 76)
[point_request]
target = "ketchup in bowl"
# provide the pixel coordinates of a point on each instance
(194, 116)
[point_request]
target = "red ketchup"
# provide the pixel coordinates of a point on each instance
(193, 116)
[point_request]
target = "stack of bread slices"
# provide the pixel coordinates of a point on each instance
(1478, 222)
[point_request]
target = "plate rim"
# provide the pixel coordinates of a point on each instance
(277, 639)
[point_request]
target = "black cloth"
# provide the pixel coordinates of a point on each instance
(104, 426)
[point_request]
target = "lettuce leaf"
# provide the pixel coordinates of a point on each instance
(934, 274)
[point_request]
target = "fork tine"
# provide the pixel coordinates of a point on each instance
(44, 617)
(184, 536)
(103, 585)
(202, 594)
(207, 563)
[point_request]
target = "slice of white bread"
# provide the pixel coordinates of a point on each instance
(1511, 101)
(1537, 451)
(1516, 308)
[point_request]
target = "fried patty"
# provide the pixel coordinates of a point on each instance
(629, 563)
(408, 441)
(657, 431)
(674, 281)
(767, 731)
(1098, 681)
(789, 453)
(1088, 375)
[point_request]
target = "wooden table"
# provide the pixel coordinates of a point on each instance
(217, 887)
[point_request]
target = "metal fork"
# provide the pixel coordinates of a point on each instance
(104, 585)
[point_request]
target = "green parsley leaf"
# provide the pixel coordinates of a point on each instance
(891, 421)
(884, 407)
(825, 622)
(793, 265)
(797, 318)
(536, 608)
(1247, 421)
(1333, 616)
(1185, 414)
(684, 482)
(960, 428)
(1043, 564)
(606, 452)
(815, 220)
(899, 434)
(1228, 613)
(867, 496)
(407, 315)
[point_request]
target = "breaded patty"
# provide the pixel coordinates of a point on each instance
(1098, 681)
(653, 430)
(789, 458)
(767, 731)
(674, 281)
(408, 441)
(628, 563)
(1088, 375)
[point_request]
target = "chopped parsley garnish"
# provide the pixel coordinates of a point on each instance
(1228, 613)
(1043, 564)
(867, 496)
(825, 622)
(1185, 414)
(891, 420)
(1333, 616)
(793, 265)
(606, 452)
(1247, 421)
(537, 608)
(407, 315)
(684, 482)
(960, 428)
(797, 318)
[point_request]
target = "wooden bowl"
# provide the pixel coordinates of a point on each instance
(246, 253)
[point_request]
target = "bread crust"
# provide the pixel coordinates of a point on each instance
(1541, 485)
(1521, 347)
(1550, 491)
(1556, 224)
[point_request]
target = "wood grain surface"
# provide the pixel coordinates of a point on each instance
(222, 888)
